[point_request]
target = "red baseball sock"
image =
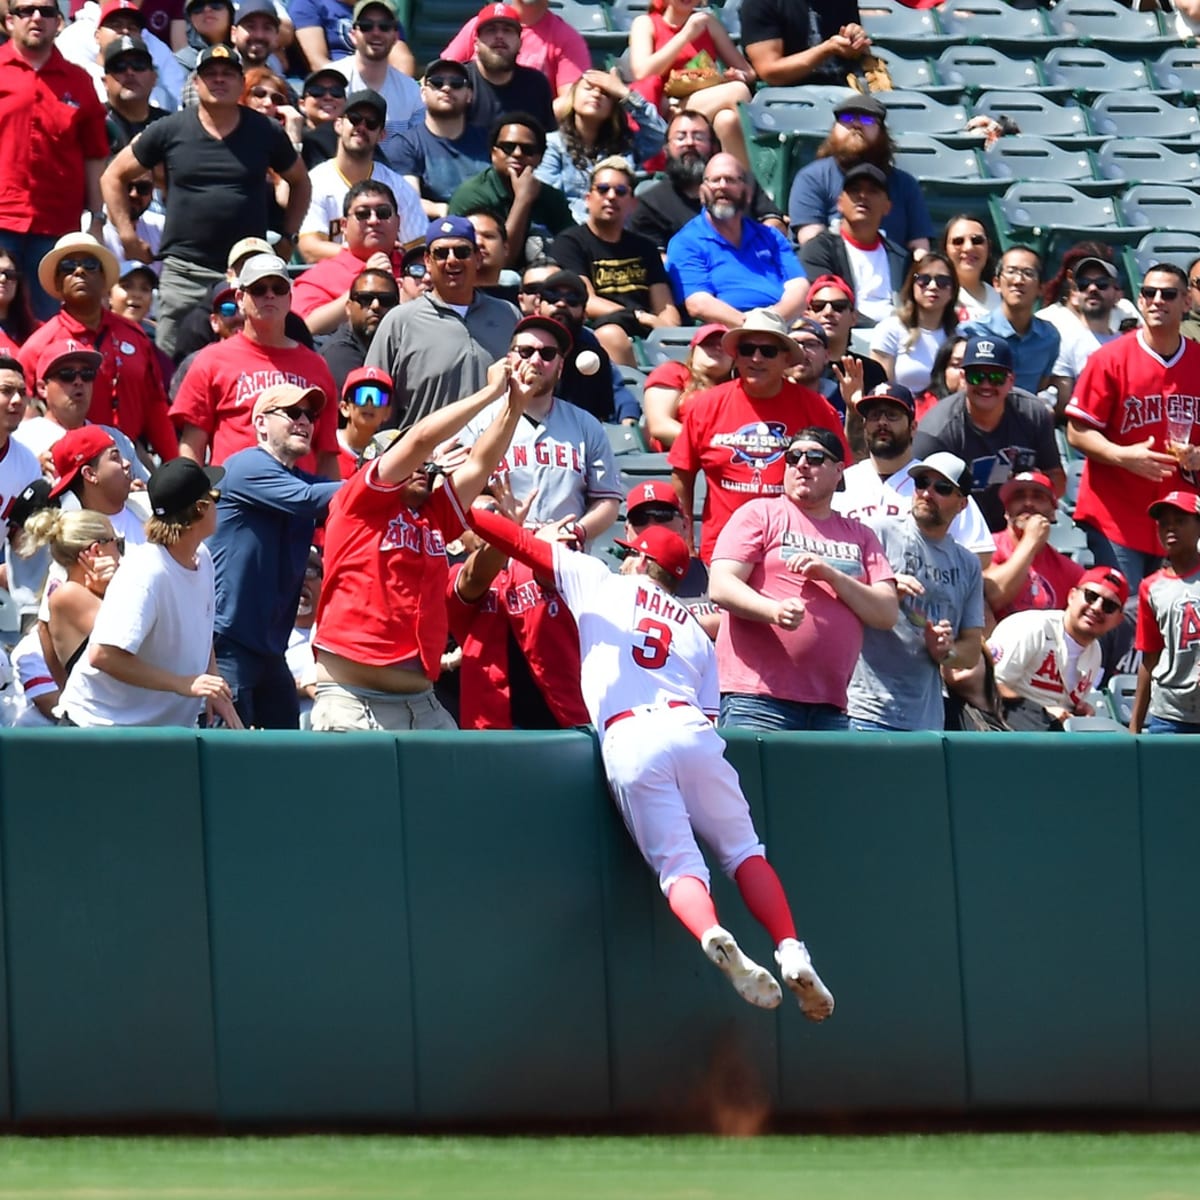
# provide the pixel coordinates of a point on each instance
(764, 897)
(691, 903)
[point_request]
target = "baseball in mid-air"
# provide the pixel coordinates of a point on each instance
(587, 362)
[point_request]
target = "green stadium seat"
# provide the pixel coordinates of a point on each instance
(624, 439)
(994, 23)
(1171, 246)
(915, 112)
(1089, 72)
(1177, 69)
(978, 69)
(941, 167)
(1141, 160)
(1118, 114)
(1162, 206)
(1026, 157)
(1048, 215)
(917, 74)
(902, 28)
(667, 344)
(1063, 124)
(1110, 25)
(782, 131)
(1121, 689)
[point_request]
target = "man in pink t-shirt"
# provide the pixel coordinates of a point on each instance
(797, 583)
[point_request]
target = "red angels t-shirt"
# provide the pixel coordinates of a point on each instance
(1051, 576)
(739, 443)
(1127, 392)
(217, 393)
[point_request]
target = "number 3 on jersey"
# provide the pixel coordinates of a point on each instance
(655, 647)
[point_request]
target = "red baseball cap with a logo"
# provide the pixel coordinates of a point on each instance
(652, 492)
(1108, 577)
(57, 352)
(497, 12)
(374, 376)
(1036, 478)
(1188, 502)
(667, 549)
(74, 450)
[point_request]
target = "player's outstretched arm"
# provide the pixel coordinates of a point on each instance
(514, 541)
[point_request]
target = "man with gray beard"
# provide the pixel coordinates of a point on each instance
(723, 263)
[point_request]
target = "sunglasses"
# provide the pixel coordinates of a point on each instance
(115, 540)
(1091, 598)
(647, 515)
(266, 288)
(71, 374)
(979, 375)
(68, 266)
(838, 306)
(454, 82)
(10, 275)
(1153, 293)
(617, 189)
(320, 90)
(748, 349)
(226, 309)
(265, 93)
(383, 299)
(26, 12)
(927, 483)
(974, 239)
(814, 458)
(370, 120)
(375, 26)
(207, 5)
(573, 299)
(130, 64)
(293, 412)
(938, 281)
(462, 253)
(381, 212)
(1099, 282)
(415, 270)
(369, 395)
(865, 119)
(545, 353)
(528, 149)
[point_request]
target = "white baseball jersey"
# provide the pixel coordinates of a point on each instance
(1035, 656)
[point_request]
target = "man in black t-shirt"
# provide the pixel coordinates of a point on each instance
(129, 78)
(498, 84)
(628, 292)
(791, 41)
(664, 208)
(216, 156)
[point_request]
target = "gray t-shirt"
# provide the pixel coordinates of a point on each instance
(896, 683)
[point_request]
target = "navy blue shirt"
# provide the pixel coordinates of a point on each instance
(266, 517)
(441, 164)
(814, 198)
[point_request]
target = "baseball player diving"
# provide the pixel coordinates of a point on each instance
(649, 680)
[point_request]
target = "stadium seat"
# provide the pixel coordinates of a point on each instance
(1066, 537)
(1035, 114)
(1074, 472)
(1095, 724)
(783, 127)
(915, 112)
(1182, 249)
(1177, 69)
(624, 439)
(941, 167)
(1118, 114)
(902, 28)
(1051, 214)
(1110, 25)
(917, 75)
(1140, 160)
(995, 23)
(664, 344)
(1089, 72)
(639, 466)
(590, 17)
(1121, 689)
(978, 69)
(1162, 206)
(1030, 158)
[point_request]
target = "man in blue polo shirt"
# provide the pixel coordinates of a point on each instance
(269, 510)
(722, 264)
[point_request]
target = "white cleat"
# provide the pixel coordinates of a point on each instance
(756, 985)
(796, 969)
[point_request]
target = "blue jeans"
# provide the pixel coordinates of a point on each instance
(1160, 725)
(264, 692)
(1133, 564)
(27, 250)
(771, 715)
(859, 725)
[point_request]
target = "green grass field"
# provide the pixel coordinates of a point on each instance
(908, 1167)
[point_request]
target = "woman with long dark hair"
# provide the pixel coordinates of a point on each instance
(16, 316)
(965, 242)
(906, 343)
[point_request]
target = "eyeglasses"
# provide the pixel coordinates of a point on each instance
(383, 299)
(142, 187)
(1100, 282)
(293, 412)
(462, 253)
(648, 515)
(814, 458)
(571, 299)
(545, 353)
(130, 64)
(320, 90)
(375, 26)
(749, 349)
(973, 239)
(71, 374)
(381, 212)
(265, 93)
(1091, 598)
(927, 483)
(838, 306)
(809, 345)
(617, 189)
(938, 281)
(867, 120)
(371, 120)
(267, 288)
(68, 266)
(454, 82)
(1152, 293)
(1015, 273)
(26, 12)
(976, 376)
(369, 395)
(226, 309)
(528, 149)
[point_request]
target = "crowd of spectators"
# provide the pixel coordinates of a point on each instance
(280, 307)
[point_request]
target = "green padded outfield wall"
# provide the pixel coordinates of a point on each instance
(282, 929)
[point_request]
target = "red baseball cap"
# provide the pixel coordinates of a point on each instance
(652, 492)
(662, 546)
(116, 6)
(1016, 481)
(833, 281)
(1188, 502)
(56, 352)
(74, 450)
(707, 331)
(497, 12)
(373, 375)
(1110, 578)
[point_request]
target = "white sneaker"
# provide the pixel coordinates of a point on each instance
(796, 969)
(753, 983)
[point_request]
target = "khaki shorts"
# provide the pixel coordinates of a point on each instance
(339, 709)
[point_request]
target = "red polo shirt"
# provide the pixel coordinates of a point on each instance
(331, 278)
(50, 123)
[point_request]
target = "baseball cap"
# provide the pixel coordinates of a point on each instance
(320, 73)
(263, 266)
(987, 351)
(861, 104)
(247, 245)
(1108, 577)
(653, 492)
(447, 64)
(367, 98)
(1099, 263)
(116, 6)
(706, 331)
(833, 281)
(497, 12)
(808, 325)
(1188, 502)
(556, 329)
(449, 227)
(32, 498)
(825, 438)
(362, 5)
(1024, 477)
(864, 170)
(74, 450)
(283, 395)
(56, 352)
(563, 281)
(133, 267)
(221, 291)
(947, 464)
(370, 378)
(192, 4)
(895, 393)
(179, 483)
(247, 8)
(124, 47)
(219, 53)
(662, 546)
